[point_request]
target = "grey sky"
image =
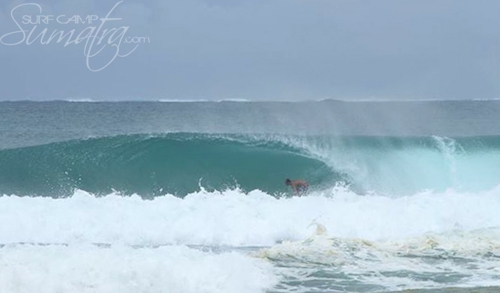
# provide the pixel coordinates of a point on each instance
(264, 50)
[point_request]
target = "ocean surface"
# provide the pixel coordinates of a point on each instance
(116, 197)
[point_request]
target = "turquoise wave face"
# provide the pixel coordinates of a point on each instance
(177, 164)
(182, 163)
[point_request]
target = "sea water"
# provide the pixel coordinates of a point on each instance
(190, 197)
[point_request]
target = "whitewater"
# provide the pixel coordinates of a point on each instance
(171, 197)
(227, 241)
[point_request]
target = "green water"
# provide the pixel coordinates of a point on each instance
(178, 164)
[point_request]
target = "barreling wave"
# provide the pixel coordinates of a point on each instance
(153, 165)
(181, 163)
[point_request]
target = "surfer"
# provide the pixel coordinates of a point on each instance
(298, 186)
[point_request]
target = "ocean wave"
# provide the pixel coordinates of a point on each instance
(180, 163)
(153, 165)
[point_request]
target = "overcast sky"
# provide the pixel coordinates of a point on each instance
(255, 50)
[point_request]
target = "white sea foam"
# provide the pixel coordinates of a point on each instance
(182, 100)
(237, 219)
(88, 268)
(125, 244)
(82, 100)
(430, 261)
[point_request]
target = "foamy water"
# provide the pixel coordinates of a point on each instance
(235, 242)
(121, 269)
(236, 219)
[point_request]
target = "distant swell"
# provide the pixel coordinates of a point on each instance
(183, 163)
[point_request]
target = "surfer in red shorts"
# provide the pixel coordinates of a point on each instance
(298, 186)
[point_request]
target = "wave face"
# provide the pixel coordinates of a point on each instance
(183, 163)
(146, 165)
